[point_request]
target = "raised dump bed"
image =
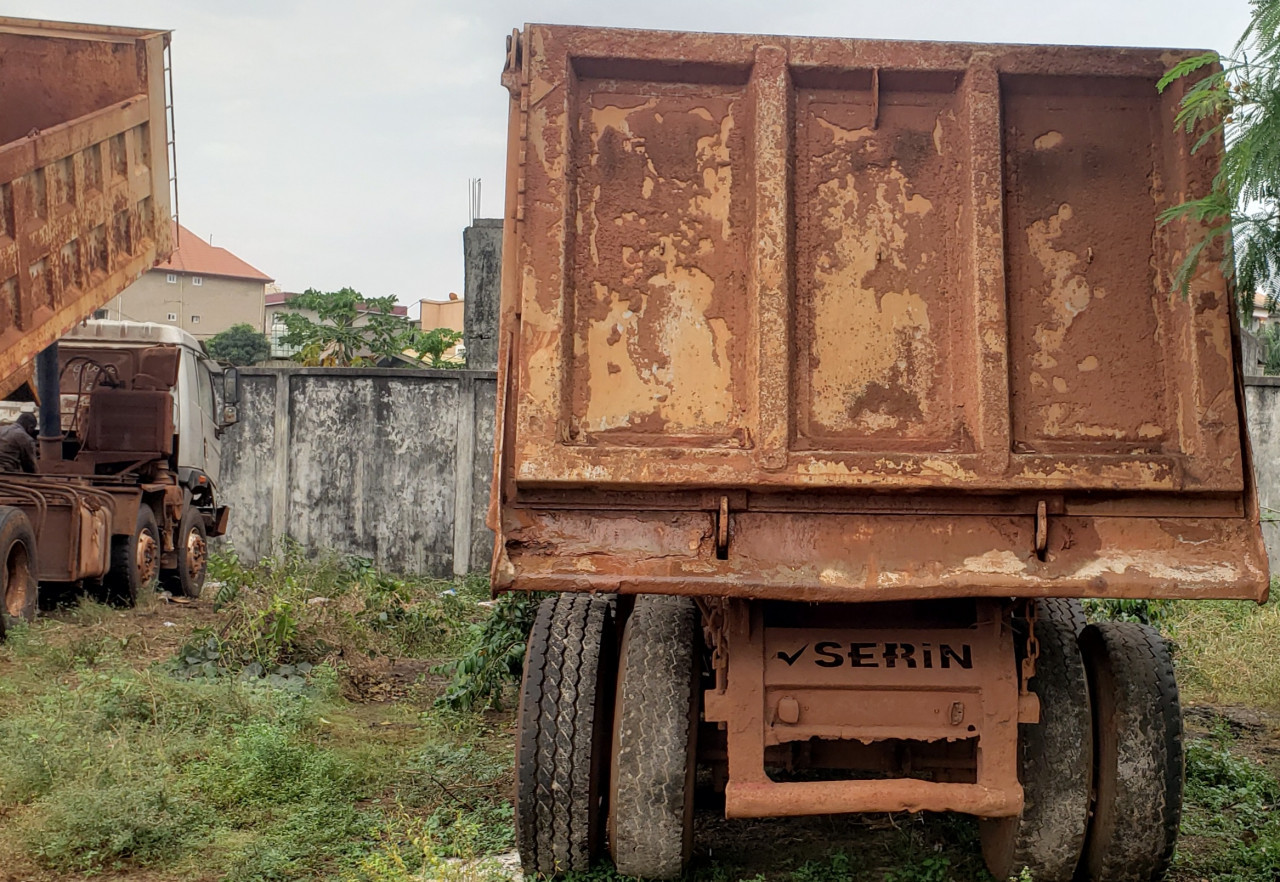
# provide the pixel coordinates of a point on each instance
(84, 176)
(846, 365)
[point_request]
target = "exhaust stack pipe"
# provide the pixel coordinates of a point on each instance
(50, 404)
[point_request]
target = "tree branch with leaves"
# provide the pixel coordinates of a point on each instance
(1237, 100)
(351, 330)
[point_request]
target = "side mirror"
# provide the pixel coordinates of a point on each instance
(230, 416)
(231, 388)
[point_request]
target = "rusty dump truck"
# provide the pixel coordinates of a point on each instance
(123, 493)
(833, 374)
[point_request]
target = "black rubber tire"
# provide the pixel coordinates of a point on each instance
(1138, 753)
(655, 731)
(18, 587)
(563, 744)
(188, 579)
(1055, 758)
(1063, 609)
(126, 581)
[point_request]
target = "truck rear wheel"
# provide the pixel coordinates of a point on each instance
(1055, 767)
(192, 548)
(565, 699)
(1138, 753)
(1063, 609)
(135, 561)
(18, 587)
(655, 726)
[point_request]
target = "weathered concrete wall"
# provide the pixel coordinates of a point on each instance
(482, 250)
(1251, 353)
(392, 465)
(1262, 407)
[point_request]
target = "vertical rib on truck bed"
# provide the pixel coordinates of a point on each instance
(84, 176)
(847, 320)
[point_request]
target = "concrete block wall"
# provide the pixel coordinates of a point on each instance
(1262, 411)
(482, 251)
(388, 464)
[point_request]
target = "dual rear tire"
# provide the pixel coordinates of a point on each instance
(1102, 771)
(608, 727)
(585, 765)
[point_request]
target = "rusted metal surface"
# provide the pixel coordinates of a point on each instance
(72, 520)
(944, 693)
(854, 320)
(84, 176)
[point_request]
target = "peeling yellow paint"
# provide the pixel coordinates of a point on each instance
(717, 175)
(843, 135)
(1090, 363)
(1048, 141)
(864, 336)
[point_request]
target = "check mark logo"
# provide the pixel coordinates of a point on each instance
(791, 659)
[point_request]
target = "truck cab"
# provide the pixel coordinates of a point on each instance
(95, 350)
(125, 496)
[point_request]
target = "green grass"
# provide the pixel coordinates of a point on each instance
(239, 746)
(1231, 822)
(1227, 652)
(115, 756)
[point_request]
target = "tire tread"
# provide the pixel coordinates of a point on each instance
(1136, 840)
(557, 815)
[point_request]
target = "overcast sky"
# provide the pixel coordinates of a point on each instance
(329, 143)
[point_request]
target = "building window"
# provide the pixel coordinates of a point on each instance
(195, 320)
(101, 313)
(197, 281)
(173, 316)
(172, 278)
(278, 330)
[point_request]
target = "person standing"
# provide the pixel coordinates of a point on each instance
(18, 445)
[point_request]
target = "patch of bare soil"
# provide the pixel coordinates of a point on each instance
(1255, 733)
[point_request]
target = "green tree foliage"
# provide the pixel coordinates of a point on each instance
(351, 330)
(1269, 339)
(432, 345)
(239, 344)
(1237, 99)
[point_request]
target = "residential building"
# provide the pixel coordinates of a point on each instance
(444, 314)
(202, 289)
(1262, 314)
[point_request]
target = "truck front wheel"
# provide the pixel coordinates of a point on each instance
(193, 555)
(135, 561)
(17, 568)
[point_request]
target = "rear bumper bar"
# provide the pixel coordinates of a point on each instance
(874, 557)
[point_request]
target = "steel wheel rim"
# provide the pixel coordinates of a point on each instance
(18, 580)
(197, 554)
(147, 558)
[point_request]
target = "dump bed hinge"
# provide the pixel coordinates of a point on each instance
(722, 529)
(1042, 528)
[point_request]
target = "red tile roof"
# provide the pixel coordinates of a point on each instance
(194, 255)
(280, 298)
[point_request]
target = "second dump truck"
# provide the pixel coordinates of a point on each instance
(833, 374)
(124, 493)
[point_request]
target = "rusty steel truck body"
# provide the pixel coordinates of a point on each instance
(124, 491)
(833, 374)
